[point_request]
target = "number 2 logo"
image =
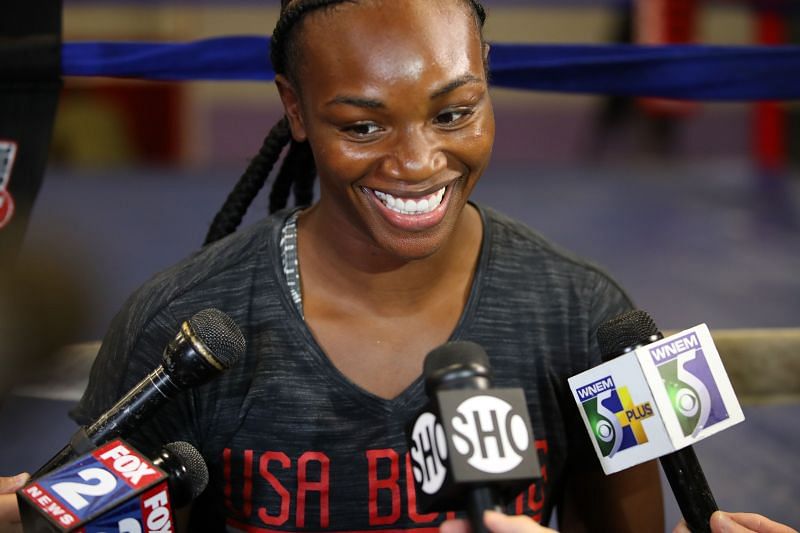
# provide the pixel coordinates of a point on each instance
(73, 492)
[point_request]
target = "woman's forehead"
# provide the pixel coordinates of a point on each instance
(391, 39)
(389, 24)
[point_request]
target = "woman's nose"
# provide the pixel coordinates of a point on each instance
(414, 156)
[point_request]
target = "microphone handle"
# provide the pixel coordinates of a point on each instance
(124, 416)
(79, 444)
(690, 488)
(481, 498)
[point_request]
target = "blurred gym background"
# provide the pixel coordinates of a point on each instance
(694, 208)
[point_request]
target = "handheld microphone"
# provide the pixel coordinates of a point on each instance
(654, 397)
(624, 334)
(206, 345)
(114, 488)
(472, 446)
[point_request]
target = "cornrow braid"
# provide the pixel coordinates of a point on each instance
(298, 166)
(230, 216)
(291, 13)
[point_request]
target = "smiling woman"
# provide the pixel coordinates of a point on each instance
(387, 103)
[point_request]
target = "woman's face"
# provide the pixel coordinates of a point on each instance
(393, 98)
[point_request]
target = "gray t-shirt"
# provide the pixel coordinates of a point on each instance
(290, 442)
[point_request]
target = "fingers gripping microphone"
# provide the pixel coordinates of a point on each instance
(206, 345)
(624, 334)
(114, 488)
(472, 446)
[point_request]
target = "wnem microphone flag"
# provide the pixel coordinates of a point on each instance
(656, 399)
(30, 81)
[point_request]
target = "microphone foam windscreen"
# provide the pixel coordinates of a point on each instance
(453, 354)
(628, 329)
(220, 334)
(194, 464)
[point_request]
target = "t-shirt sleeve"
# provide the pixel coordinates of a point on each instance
(608, 300)
(605, 300)
(132, 348)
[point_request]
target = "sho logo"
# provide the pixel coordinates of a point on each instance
(428, 453)
(615, 420)
(488, 432)
(8, 151)
(689, 383)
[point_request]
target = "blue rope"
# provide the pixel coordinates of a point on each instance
(690, 72)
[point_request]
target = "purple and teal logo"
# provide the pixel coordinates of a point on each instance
(690, 384)
(615, 420)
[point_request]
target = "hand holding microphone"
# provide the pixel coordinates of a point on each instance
(496, 522)
(9, 510)
(720, 523)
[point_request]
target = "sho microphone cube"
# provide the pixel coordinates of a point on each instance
(656, 399)
(113, 488)
(468, 438)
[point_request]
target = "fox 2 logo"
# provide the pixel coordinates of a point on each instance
(615, 420)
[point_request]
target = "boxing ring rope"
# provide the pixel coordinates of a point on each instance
(687, 72)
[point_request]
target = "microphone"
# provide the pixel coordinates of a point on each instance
(471, 446)
(114, 488)
(206, 345)
(621, 335)
(654, 397)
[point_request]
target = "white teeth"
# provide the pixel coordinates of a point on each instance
(410, 206)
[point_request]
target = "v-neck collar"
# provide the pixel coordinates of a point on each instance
(413, 394)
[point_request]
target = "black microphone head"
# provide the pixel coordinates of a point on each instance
(220, 335)
(188, 474)
(626, 332)
(207, 344)
(457, 364)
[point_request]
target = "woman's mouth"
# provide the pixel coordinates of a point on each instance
(411, 213)
(411, 206)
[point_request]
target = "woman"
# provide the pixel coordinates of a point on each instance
(391, 98)
(341, 301)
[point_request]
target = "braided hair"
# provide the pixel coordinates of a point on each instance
(298, 171)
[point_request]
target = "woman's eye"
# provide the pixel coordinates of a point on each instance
(452, 117)
(362, 130)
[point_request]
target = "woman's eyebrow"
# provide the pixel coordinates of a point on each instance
(371, 103)
(455, 84)
(357, 101)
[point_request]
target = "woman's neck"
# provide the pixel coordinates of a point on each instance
(347, 265)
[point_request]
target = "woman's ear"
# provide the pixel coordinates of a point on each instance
(291, 104)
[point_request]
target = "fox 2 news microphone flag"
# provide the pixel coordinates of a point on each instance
(114, 488)
(656, 399)
(30, 80)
